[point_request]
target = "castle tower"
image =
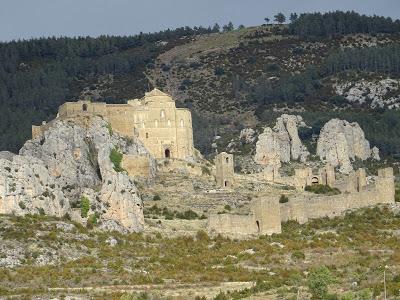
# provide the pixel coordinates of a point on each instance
(267, 215)
(361, 176)
(224, 172)
(385, 185)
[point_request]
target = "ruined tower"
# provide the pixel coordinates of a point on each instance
(224, 170)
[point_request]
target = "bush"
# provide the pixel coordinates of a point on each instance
(92, 220)
(22, 205)
(116, 159)
(298, 255)
(205, 171)
(318, 282)
(219, 71)
(85, 206)
(397, 194)
(322, 189)
(156, 198)
(283, 199)
(110, 130)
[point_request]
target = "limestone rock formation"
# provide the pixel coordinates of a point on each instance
(340, 142)
(281, 143)
(71, 160)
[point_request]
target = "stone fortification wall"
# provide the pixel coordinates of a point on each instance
(264, 219)
(267, 214)
(362, 195)
(137, 165)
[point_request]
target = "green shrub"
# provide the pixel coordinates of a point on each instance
(318, 282)
(205, 170)
(85, 206)
(298, 255)
(322, 189)
(397, 194)
(227, 207)
(110, 130)
(22, 205)
(116, 159)
(156, 198)
(283, 199)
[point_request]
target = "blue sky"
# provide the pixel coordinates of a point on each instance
(21, 19)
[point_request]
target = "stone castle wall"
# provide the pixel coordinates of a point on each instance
(266, 216)
(264, 219)
(136, 165)
(166, 131)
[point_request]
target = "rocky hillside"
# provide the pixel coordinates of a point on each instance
(73, 171)
(238, 78)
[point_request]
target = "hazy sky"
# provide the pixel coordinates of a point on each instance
(36, 18)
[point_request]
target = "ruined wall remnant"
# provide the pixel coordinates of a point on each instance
(224, 170)
(267, 213)
(264, 218)
(358, 195)
(340, 142)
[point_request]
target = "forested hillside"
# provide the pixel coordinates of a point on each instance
(230, 79)
(36, 76)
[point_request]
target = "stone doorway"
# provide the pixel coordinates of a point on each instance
(167, 153)
(84, 107)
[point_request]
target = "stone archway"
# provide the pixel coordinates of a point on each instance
(167, 153)
(314, 180)
(84, 107)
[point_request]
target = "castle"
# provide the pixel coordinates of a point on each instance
(166, 131)
(267, 213)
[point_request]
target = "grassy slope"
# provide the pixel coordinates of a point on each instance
(353, 247)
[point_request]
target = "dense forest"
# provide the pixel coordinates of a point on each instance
(339, 23)
(38, 75)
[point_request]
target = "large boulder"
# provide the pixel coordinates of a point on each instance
(70, 162)
(281, 143)
(341, 142)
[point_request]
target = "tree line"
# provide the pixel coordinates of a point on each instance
(339, 23)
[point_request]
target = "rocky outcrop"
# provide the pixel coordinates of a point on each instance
(375, 93)
(281, 143)
(340, 142)
(71, 162)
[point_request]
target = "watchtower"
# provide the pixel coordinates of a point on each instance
(224, 172)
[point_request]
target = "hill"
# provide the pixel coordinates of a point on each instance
(230, 80)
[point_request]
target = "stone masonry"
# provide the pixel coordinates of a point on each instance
(166, 131)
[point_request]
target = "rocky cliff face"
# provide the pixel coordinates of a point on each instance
(281, 143)
(340, 142)
(71, 162)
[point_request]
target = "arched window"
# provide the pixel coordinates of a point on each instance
(84, 107)
(182, 123)
(167, 153)
(169, 123)
(147, 135)
(143, 126)
(156, 123)
(227, 160)
(162, 114)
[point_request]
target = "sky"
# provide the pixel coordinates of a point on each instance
(24, 19)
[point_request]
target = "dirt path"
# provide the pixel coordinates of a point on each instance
(174, 291)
